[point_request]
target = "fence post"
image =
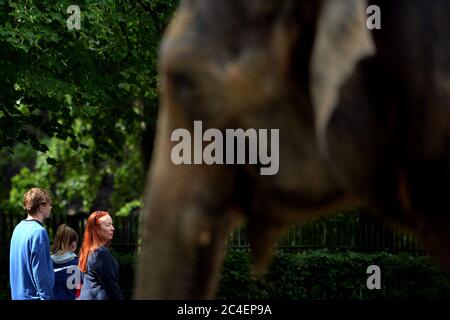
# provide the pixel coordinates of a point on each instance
(330, 236)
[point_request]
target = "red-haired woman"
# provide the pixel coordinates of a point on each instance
(100, 281)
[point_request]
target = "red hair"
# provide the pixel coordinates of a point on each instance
(92, 239)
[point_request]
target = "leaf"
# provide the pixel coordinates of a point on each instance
(74, 145)
(52, 161)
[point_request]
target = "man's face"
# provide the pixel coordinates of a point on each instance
(46, 208)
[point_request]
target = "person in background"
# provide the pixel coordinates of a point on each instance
(65, 264)
(100, 268)
(30, 266)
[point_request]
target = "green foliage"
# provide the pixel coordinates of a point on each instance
(126, 209)
(320, 275)
(236, 280)
(317, 275)
(103, 74)
(85, 100)
(76, 179)
(127, 266)
(67, 185)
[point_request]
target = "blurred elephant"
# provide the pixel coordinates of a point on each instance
(364, 119)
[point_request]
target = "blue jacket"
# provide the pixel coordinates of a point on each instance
(101, 279)
(67, 276)
(30, 266)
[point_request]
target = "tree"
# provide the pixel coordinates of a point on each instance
(92, 90)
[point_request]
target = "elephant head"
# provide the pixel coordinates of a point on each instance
(309, 68)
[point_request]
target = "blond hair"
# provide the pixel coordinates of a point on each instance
(64, 237)
(33, 198)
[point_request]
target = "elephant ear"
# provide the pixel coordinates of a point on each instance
(342, 40)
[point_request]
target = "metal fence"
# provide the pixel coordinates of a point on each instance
(354, 232)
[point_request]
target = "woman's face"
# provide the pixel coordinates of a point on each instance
(106, 228)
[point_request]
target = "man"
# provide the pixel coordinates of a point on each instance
(31, 268)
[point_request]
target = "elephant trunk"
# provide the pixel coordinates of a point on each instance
(172, 268)
(185, 225)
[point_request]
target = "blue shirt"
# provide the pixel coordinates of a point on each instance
(30, 266)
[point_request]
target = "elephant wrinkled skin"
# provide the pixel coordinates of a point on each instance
(364, 119)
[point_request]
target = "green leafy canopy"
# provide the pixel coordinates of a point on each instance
(85, 100)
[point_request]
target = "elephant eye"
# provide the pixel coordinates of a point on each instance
(183, 86)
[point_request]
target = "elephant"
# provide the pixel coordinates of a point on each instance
(363, 117)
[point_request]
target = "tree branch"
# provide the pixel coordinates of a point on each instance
(148, 8)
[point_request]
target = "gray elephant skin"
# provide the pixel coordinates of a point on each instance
(363, 118)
